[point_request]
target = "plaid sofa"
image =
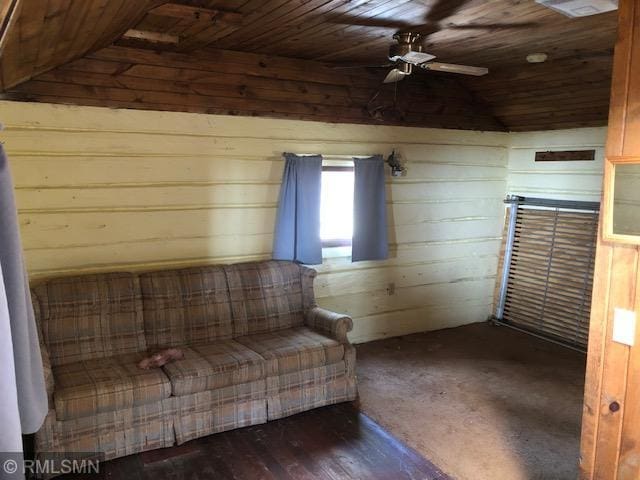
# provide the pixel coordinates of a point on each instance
(257, 347)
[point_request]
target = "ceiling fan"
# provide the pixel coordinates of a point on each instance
(407, 53)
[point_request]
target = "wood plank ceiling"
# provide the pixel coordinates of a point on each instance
(277, 58)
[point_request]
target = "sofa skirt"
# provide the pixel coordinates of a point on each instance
(176, 420)
(296, 392)
(108, 435)
(214, 411)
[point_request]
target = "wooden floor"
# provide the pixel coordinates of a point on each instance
(336, 442)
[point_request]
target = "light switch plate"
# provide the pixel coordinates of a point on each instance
(624, 326)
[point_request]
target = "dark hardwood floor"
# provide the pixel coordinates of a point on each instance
(336, 442)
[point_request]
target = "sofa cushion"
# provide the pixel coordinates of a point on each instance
(294, 349)
(186, 306)
(266, 296)
(215, 365)
(90, 316)
(90, 387)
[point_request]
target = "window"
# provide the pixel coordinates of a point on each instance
(336, 207)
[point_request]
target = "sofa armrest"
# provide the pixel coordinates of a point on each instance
(335, 325)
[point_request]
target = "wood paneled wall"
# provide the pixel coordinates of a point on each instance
(566, 180)
(236, 83)
(101, 189)
(610, 434)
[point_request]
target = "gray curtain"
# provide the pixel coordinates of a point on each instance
(369, 210)
(297, 232)
(25, 387)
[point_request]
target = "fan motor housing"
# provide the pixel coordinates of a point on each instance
(407, 42)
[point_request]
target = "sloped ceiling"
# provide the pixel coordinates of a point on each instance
(180, 51)
(48, 33)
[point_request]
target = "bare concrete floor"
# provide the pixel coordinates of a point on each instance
(481, 402)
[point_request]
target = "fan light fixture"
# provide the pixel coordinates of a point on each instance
(397, 170)
(537, 57)
(580, 8)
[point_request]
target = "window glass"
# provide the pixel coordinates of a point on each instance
(336, 206)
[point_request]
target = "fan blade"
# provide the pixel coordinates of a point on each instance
(452, 68)
(444, 9)
(347, 67)
(492, 26)
(394, 75)
(372, 22)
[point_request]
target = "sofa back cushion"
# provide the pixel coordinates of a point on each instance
(186, 306)
(266, 296)
(90, 316)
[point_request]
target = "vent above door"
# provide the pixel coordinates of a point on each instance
(580, 8)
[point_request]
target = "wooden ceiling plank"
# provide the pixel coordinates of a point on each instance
(94, 66)
(338, 38)
(9, 48)
(78, 32)
(177, 10)
(192, 36)
(272, 93)
(115, 9)
(157, 23)
(189, 23)
(153, 37)
(72, 25)
(23, 31)
(89, 24)
(310, 9)
(311, 31)
(9, 12)
(29, 27)
(198, 27)
(176, 74)
(544, 96)
(183, 29)
(142, 96)
(254, 10)
(57, 11)
(311, 24)
(275, 15)
(128, 17)
(226, 61)
(204, 36)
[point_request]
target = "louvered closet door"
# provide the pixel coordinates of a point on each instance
(551, 273)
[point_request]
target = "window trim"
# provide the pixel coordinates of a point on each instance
(332, 168)
(337, 242)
